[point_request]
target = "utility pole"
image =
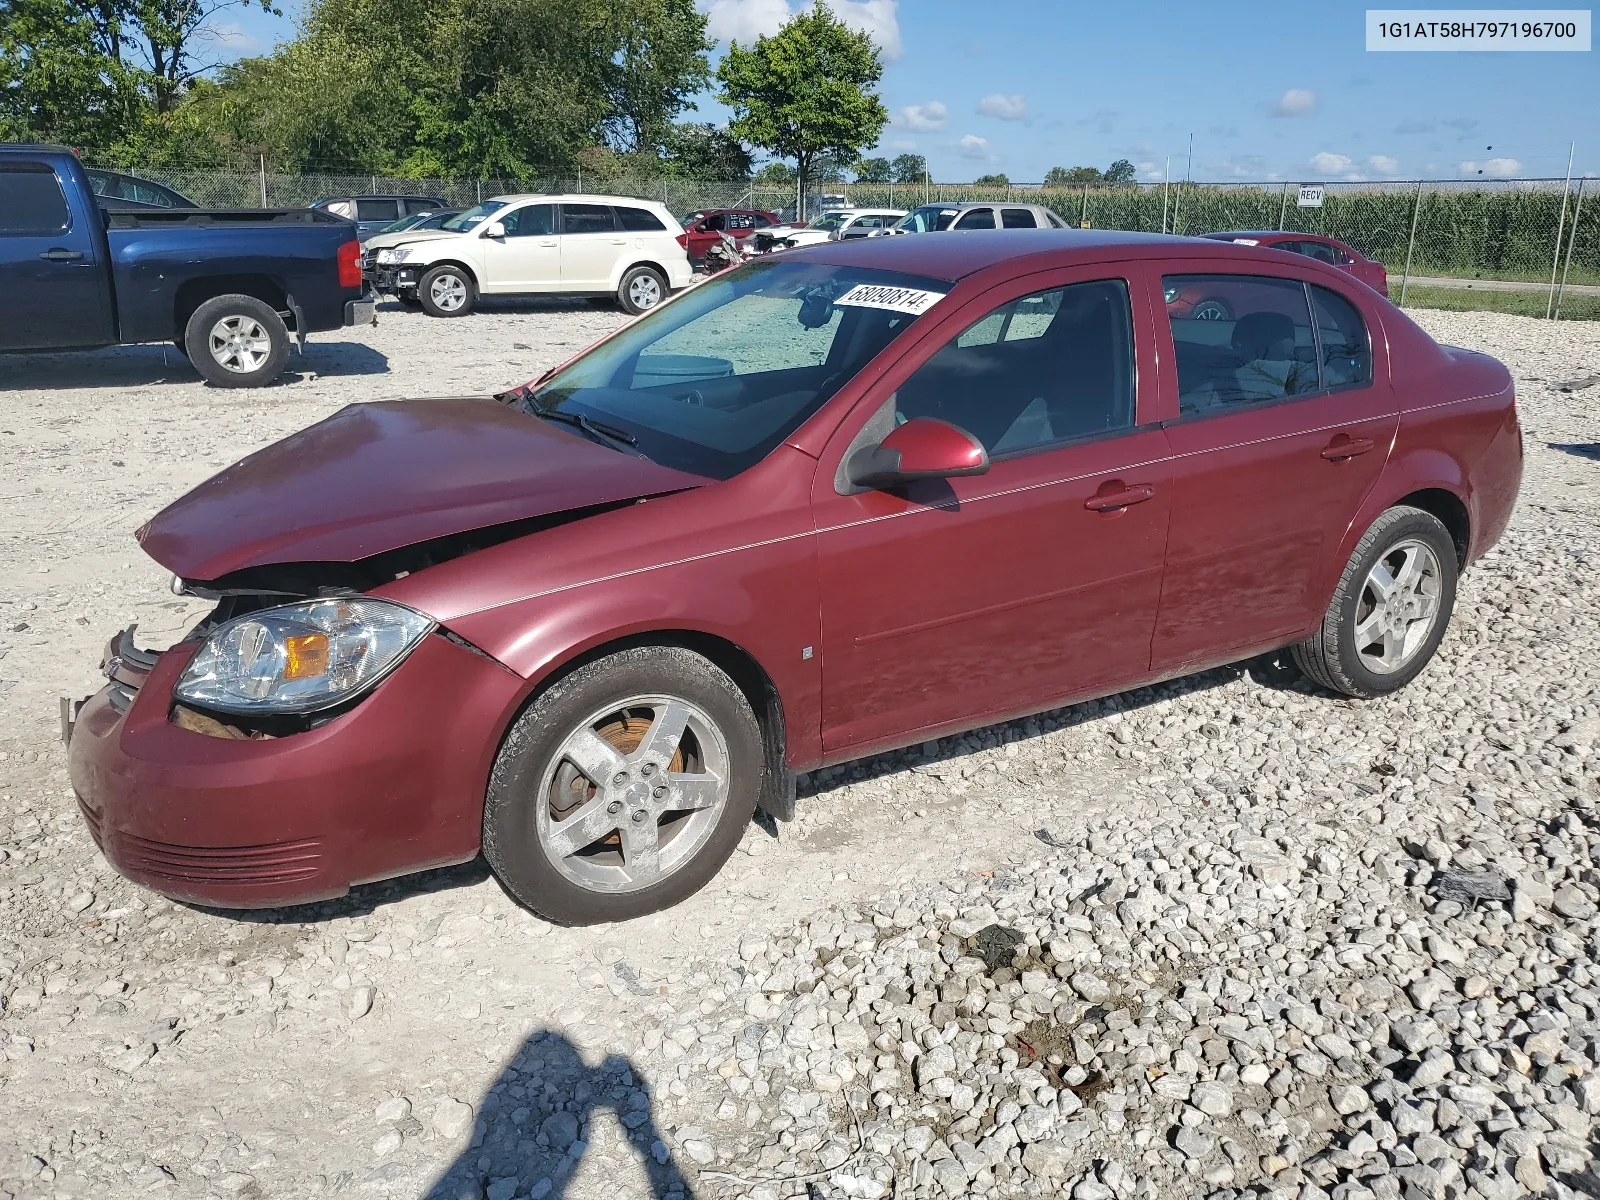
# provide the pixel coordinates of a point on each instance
(1166, 180)
(1561, 228)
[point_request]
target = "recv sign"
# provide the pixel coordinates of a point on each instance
(1310, 195)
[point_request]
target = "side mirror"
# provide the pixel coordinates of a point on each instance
(494, 229)
(922, 448)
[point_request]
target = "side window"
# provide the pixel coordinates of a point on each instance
(1239, 339)
(976, 218)
(31, 202)
(536, 220)
(639, 220)
(377, 210)
(419, 206)
(1017, 218)
(1346, 351)
(715, 223)
(587, 218)
(1043, 369)
(341, 208)
(1055, 221)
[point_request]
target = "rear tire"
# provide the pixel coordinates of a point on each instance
(237, 341)
(623, 788)
(1390, 610)
(447, 291)
(642, 289)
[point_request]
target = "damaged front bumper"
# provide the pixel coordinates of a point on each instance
(212, 814)
(396, 278)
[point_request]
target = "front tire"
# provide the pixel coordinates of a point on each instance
(1390, 610)
(236, 341)
(447, 291)
(642, 289)
(623, 788)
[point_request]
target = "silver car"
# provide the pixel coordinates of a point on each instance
(977, 214)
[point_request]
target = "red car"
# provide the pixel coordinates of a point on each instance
(832, 502)
(703, 230)
(1314, 245)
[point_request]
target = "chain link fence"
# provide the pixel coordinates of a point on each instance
(1448, 233)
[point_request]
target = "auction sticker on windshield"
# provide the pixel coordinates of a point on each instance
(896, 299)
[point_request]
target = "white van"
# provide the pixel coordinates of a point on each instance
(531, 245)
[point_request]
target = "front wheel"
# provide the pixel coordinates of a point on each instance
(641, 290)
(623, 788)
(1390, 610)
(447, 292)
(237, 341)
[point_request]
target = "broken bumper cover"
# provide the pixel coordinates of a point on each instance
(393, 785)
(395, 279)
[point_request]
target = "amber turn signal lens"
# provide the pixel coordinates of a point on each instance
(305, 656)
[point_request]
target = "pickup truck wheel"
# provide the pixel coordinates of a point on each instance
(641, 290)
(624, 787)
(447, 292)
(237, 341)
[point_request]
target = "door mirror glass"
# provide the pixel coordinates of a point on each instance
(494, 229)
(922, 448)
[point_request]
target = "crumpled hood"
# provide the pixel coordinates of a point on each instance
(376, 477)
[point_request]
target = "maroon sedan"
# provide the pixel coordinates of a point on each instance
(703, 230)
(1318, 246)
(833, 502)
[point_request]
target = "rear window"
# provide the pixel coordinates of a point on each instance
(422, 205)
(1017, 218)
(1239, 340)
(638, 220)
(31, 201)
(587, 218)
(1342, 334)
(376, 210)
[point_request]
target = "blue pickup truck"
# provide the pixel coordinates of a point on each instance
(230, 288)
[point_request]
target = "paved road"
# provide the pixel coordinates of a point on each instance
(1499, 285)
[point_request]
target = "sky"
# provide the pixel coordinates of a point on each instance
(1269, 91)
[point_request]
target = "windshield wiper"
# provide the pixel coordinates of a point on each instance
(596, 430)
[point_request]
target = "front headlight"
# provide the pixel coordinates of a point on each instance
(301, 657)
(396, 255)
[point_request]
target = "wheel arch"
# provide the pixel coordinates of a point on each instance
(658, 267)
(424, 268)
(192, 293)
(738, 663)
(1452, 513)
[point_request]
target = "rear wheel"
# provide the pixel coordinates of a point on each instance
(1390, 610)
(623, 788)
(237, 341)
(447, 292)
(641, 290)
(1210, 310)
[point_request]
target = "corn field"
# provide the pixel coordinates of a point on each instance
(1499, 230)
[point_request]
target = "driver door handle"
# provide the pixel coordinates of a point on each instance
(548, 242)
(58, 254)
(1115, 501)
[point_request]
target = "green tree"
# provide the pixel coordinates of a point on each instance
(1062, 177)
(807, 91)
(62, 78)
(909, 168)
(700, 150)
(1121, 171)
(991, 181)
(874, 170)
(659, 64)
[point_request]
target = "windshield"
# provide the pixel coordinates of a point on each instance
(930, 218)
(829, 221)
(474, 216)
(402, 224)
(713, 381)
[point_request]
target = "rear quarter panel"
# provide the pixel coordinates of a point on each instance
(151, 266)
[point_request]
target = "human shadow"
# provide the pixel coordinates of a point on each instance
(536, 1123)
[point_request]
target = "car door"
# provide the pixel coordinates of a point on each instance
(591, 243)
(952, 602)
(1283, 425)
(54, 281)
(703, 234)
(528, 257)
(1017, 218)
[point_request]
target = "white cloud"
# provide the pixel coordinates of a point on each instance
(1007, 108)
(1332, 164)
(1150, 172)
(745, 20)
(1383, 164)
(229, 36)
(974, 147)
(1495, 168)
(1296, 102)
(924, 118)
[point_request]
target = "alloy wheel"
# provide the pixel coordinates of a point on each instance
(1398, 606)
(633, 793)
(645, 291)
(239, 344)
(448, 292)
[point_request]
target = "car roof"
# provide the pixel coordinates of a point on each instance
(585, 198)
(1275, 234)
(957, 253)
(963, 205)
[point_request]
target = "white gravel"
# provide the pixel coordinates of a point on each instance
(1240, 937)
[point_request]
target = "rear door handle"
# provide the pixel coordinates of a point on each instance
(619, 241)
(1345, 447)
(550, 242)
(1112, 501)
(58, 254)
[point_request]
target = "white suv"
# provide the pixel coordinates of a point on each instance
(526, 245)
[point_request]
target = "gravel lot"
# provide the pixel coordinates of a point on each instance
(1225, 936)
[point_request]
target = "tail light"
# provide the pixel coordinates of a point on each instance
(683, 240)
(350, 265)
